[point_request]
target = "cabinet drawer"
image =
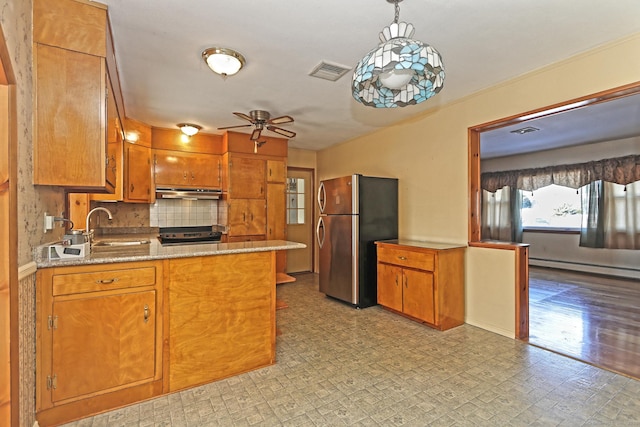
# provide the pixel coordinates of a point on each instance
(406, 258)
(103, 280)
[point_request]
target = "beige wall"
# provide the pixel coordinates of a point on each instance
(429, 156)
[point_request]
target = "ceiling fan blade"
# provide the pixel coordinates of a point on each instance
(255, 134)
(232, 127)
(244, 116)
(281, 120)
(281, 131)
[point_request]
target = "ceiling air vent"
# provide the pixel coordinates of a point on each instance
(329, 71)
(524, 130)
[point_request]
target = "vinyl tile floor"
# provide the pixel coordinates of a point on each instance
(338, 366)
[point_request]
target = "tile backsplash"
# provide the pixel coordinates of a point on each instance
(179, 213)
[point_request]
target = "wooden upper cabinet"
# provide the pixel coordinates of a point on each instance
(70, 146)
(138, 186)
(276, 171)
(178, 169)
(75, 25)
(246, 177)
(72, 56)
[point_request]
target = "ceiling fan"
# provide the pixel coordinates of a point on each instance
(262, 120)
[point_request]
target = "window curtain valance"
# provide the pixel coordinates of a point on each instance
(619, 170)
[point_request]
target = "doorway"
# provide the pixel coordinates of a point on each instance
(475, 238)
(300, 218)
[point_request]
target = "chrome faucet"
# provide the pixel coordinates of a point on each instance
(88, 232)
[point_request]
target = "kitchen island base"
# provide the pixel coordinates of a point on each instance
(124, 326)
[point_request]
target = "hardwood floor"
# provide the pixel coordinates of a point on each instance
(591, 318)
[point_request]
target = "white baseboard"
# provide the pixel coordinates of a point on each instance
(586, 268)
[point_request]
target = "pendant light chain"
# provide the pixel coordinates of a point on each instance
(397, 17)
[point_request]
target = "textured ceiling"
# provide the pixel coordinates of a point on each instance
(165, 81)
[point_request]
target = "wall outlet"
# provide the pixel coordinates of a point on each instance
(48, 222)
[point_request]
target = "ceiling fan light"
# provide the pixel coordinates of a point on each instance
(223, 61)
(189, 129)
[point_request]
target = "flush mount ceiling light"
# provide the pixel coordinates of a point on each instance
(189, 129)
(223, 61)
(401, 71)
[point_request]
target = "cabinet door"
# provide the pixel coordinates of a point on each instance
(203, 170)
(390, 286)
(418, 299)
(237, 217)
(276, 223)
(70, 139)
(170, 169)
(103, 343)
(246, 178)
(257, 217)
(137, 174)
(276, 171)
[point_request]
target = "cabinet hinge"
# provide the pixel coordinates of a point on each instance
(52, 382)
(52, 322)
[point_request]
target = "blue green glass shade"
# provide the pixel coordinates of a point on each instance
(398, 51)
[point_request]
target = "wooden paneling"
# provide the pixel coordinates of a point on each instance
(174, 139)
(235, 142)
(222, 316)
(71, 24)
(137, 132)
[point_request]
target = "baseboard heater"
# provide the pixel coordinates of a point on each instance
(625, 272)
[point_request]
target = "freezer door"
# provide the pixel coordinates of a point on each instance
(338, 255)
(336, 196)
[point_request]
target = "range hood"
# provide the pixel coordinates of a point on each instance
(187, 193)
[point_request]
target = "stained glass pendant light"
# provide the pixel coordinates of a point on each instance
(401, 71)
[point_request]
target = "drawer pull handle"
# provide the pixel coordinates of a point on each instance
(147, 313)
(107, 281)
(403, 258)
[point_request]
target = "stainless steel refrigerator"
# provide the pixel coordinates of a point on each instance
(355, 211)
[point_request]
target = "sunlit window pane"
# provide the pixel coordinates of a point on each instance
(553, 206)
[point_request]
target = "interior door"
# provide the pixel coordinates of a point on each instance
(300, 219)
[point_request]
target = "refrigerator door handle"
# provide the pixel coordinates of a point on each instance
(322, 197)
(319, 227)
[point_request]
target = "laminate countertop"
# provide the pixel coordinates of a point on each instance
(154, 251)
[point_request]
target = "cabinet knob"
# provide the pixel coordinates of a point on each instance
(146, 313)
(403, 258)
(131, 188)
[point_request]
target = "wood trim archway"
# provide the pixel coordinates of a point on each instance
(9, 337)
(475, 192)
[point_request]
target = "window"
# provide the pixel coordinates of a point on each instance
(295, 200)
(551, 207)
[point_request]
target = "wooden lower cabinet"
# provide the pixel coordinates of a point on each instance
(221, 317)
(99, 338)
(423, 281)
